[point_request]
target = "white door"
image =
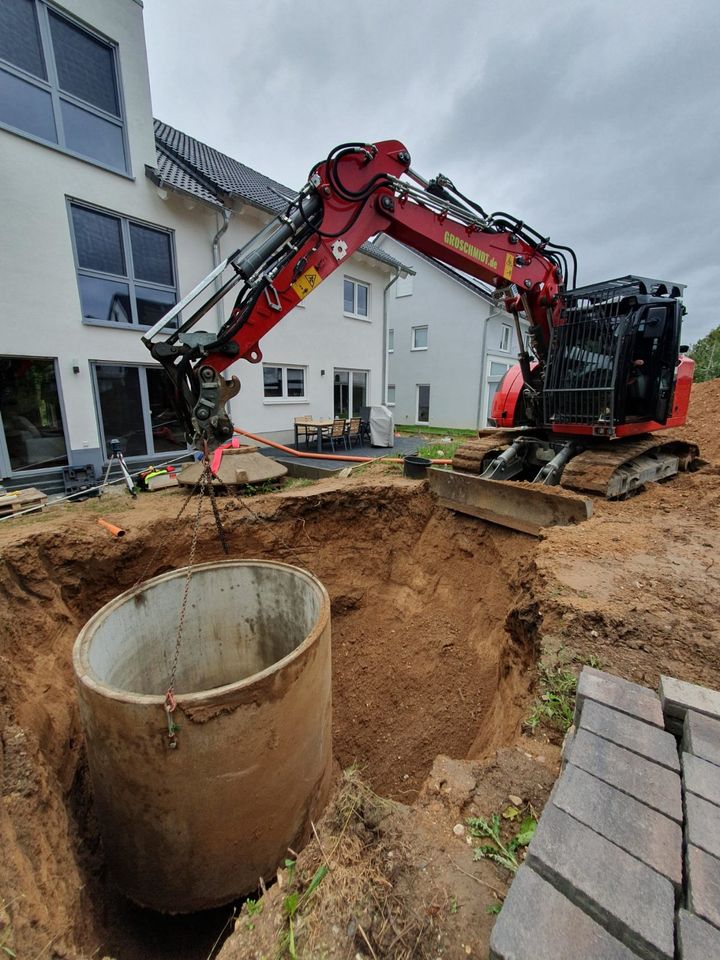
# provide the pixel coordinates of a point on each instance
(495, 370)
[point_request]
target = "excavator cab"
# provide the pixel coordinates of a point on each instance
(612, 358)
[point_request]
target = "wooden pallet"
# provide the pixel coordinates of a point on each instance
(20, 500)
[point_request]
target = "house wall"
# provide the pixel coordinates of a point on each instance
(40, 313)
(465, 332)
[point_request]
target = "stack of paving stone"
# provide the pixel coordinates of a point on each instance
(625, 862)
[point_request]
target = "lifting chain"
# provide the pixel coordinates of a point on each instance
(203, 487)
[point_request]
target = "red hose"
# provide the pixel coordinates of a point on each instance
(321, 456)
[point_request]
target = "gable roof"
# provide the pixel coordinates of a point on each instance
(483, 290)
(188, 166)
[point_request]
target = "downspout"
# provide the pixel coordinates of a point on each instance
(483, 365)
(226, 214)
(385, 329)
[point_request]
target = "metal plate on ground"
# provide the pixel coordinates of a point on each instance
(521, 506)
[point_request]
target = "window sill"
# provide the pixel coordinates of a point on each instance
(271, 401)
(355, 316)
(64, 150)
(417, 349)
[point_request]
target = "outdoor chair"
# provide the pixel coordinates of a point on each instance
(335, 434)
(354, 431)
(304, 431)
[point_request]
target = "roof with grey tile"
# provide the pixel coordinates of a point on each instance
(191, 167)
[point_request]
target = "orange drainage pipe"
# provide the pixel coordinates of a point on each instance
(115, 531)
(321, 456)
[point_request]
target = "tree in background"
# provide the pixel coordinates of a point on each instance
(706, 354)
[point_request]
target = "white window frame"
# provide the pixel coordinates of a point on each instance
(129, 279)
(388, 401)
(505, 338)
(417, 404)
(51, 86)
(284, 367)
(391, 340)
(145, 407)
(413, 331)
(354, 313)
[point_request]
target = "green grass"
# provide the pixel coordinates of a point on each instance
(433, 431)
(440, 450)
(555, 705)
(505, 851)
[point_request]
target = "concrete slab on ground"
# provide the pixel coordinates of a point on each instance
(678, 697)
(552, 928)
(648, 782)
(703, 884)
(618, 694)
(701, 737)
(629, 899)
(697, 940)
(647, 835)
(635, 735)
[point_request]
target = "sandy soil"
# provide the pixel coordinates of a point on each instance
(438, 622)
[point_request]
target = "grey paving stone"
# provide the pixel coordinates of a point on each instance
(635, 735)
(619, 694)
(697, 940)
(703, 884)
(702, 824)
(701, 778)
(677, 697)
(648, 782)
(629, 899)
(701, 736)
(538, 923)
(642, 832)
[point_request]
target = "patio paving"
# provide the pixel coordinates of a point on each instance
(402, 447)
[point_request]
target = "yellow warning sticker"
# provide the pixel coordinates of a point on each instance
(307, 283)
(509, 264)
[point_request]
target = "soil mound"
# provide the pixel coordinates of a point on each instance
(703, 425)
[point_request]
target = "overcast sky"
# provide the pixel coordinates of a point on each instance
(595, 121)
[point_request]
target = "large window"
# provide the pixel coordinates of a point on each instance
(505, 336)
(419, 338)
(59, 83)
(125, 269)
(283, 383)
(30, 414)
(135, 407)
(423, 403)
(356, 298)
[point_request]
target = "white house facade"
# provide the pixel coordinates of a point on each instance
(449, 344)
(108, 218)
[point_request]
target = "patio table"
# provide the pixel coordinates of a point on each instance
(316, 424)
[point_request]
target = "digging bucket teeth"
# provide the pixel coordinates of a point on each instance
(521, 506)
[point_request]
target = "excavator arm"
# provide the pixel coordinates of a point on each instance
(356, 193)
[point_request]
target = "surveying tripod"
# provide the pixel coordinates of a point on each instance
(116, 456)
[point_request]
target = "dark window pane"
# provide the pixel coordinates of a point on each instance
(349, 296)
(167, 431)
(85, 65)
(152, 259)
(362, 300)
(121, 408)
(341, 393)
(295, 382)
(153, 304)
(423, 404)
(27, 107)
(104, 300)
(98, 240)
(30, 410)
(359, 392)
(92, 136)
(20, 37)
(272, 381)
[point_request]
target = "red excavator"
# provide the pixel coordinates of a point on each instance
(604, 372)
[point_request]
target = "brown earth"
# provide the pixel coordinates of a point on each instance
(438, 621)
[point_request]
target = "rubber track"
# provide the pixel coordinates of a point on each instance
(592, 470)
(469, 457)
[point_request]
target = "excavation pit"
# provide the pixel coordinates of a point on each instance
(431, 650)
(193, 813)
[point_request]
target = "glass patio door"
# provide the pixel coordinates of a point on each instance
(30, 414)
(350, 391)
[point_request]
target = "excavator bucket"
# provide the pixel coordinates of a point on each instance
(527, 507)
